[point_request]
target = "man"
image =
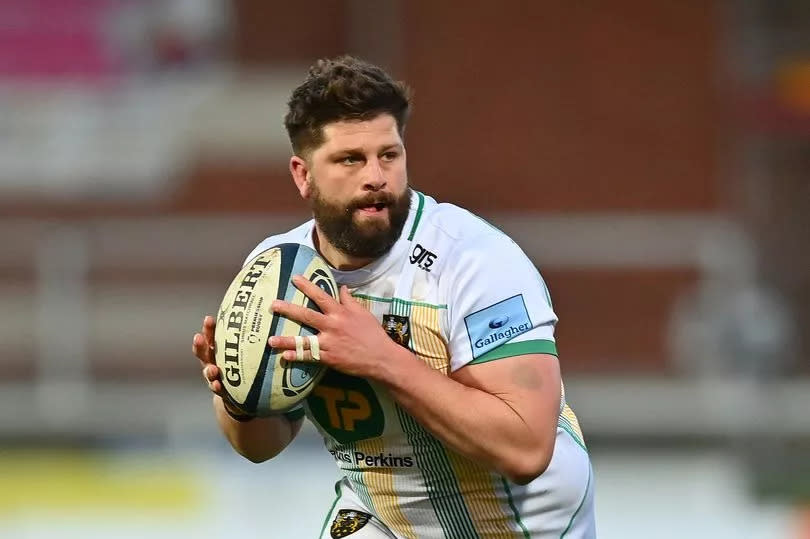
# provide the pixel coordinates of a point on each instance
(443, 405)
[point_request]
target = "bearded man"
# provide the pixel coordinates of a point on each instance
(443, 404)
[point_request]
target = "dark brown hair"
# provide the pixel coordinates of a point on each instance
(343, 88)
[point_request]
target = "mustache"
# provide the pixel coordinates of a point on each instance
(377, 198)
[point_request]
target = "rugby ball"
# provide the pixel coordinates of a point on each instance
(257, 381)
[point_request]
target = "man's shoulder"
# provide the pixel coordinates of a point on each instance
(300, 234)
(454, 224)
(447, 233)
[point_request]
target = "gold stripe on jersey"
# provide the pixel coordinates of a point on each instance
(568, 421)
(427, 342)
(444, 495)
(477, 486)
(379, 482)
(364, 301)
(426, 338)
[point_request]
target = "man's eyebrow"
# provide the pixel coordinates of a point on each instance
(391, 146)
(349, 151)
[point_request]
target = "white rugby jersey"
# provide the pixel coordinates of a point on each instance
(455, 291)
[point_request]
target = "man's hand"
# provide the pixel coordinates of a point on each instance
(350, 337)
(203, 347)
(257, 439)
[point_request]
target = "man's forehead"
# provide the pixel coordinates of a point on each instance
(381, 130)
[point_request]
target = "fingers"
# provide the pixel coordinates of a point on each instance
(216, 388)
(298, 349)
(289, 342)
(346, 298)
(210, 373)
(211, 376)
(201, 349)
(209, 324)
(202, 344)
(323, 300)
(305, 357)
(305, 316)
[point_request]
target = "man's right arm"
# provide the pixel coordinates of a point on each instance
(258, 438)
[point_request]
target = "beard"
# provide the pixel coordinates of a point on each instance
(370, 239)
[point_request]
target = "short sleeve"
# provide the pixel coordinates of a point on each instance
(498, 303)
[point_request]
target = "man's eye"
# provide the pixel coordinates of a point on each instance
(350, 160)
(390, 156)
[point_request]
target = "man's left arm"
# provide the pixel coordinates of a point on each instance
(502, 414)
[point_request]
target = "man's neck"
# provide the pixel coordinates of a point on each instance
(336, 258)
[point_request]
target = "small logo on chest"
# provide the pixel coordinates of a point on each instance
(398, 328)
(423, 258)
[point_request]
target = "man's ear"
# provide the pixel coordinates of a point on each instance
(301, 175)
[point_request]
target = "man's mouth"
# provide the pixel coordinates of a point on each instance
(373, 208)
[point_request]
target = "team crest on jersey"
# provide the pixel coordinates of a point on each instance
(398, 328)
(347, 522)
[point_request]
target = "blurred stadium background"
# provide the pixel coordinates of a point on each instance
(653, 158)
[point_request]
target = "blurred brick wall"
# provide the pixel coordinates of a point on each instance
(557, 107)
(537, 106)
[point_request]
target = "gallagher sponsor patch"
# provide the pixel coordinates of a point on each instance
(494, 325)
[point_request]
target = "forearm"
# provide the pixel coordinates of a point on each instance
(258, 439)
(481, 426)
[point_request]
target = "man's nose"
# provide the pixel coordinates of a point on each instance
(375, 175)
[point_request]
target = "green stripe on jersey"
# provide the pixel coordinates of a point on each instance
(419, 208)
(400, 307)
(510, 349)
(358, 482)
(514, 509)
(587, 486)
(400, 302)
(440, 480)
(565, 425)
(329, 513)
(442, 485)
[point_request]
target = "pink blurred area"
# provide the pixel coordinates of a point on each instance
(56, 39)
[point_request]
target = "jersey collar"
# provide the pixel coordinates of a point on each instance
(368, 272)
